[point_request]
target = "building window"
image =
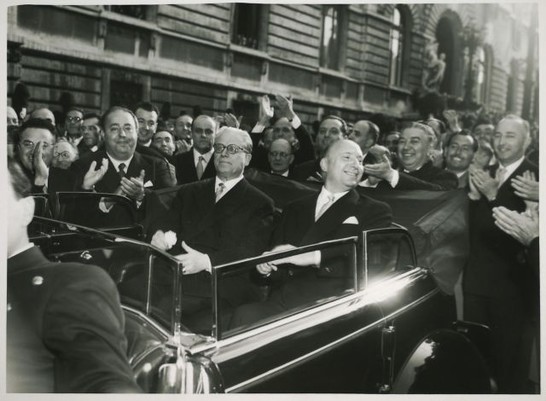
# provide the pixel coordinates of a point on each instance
(398, 28)
(135, 11)
(247, 19)
(330, 43)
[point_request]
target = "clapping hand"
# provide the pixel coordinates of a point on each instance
(93, 176)
(484, 183)
(133, 187)
(521, 226)
(266, 111)
(40, 168)
(231, 121)
(526, 186)
(285, 105)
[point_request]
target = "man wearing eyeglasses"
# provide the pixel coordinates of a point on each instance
(72, 123)
(281, 157)
(217, 220)
(197, 164)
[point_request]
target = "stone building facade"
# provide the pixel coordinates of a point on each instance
(351, 60)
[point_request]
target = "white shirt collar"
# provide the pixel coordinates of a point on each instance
(116, 162)
(511, 167)
(459, 175)
(285, 174)
(229, 184)
(324, 197)
(206, 156)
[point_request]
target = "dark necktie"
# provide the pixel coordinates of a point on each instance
(121, 170)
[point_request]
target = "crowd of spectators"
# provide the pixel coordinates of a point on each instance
(133, 152)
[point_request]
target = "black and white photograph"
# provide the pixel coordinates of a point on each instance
(271, 198)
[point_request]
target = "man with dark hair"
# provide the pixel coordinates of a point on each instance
(416, 170)
(460, 150)
(72, 125)
(91, 133)
(147, 115)
(122, 170)
(65, 325)
(182, 133)
(34, 150)
(331, 129)
(365, 134)
(196, 164)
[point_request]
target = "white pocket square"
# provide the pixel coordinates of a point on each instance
(351, 220)
(148, 184)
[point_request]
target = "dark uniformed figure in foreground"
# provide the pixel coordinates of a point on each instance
(64, 320)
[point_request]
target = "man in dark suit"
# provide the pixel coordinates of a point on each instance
(281, 157)
(197, 164)
(460, 150)
(121, 170)
(147, 115)
(287, 126)
(64, 320)
(338, 211)
(499, 290)
(416, 170)
(331, 129)
(91, 134)
(217, 220)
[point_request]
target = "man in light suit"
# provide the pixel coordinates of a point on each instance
(217, 220)
(500, 291)
(197, 164)
(65, 325)
(337, 211)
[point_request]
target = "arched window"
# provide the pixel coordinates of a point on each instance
(398, 38)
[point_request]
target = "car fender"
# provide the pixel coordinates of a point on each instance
(444, 362)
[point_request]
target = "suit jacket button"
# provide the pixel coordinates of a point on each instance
(8, 307)
(327, 270)
(37, 280)
(290, 273)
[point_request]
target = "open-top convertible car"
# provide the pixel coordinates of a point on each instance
(382, 326)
